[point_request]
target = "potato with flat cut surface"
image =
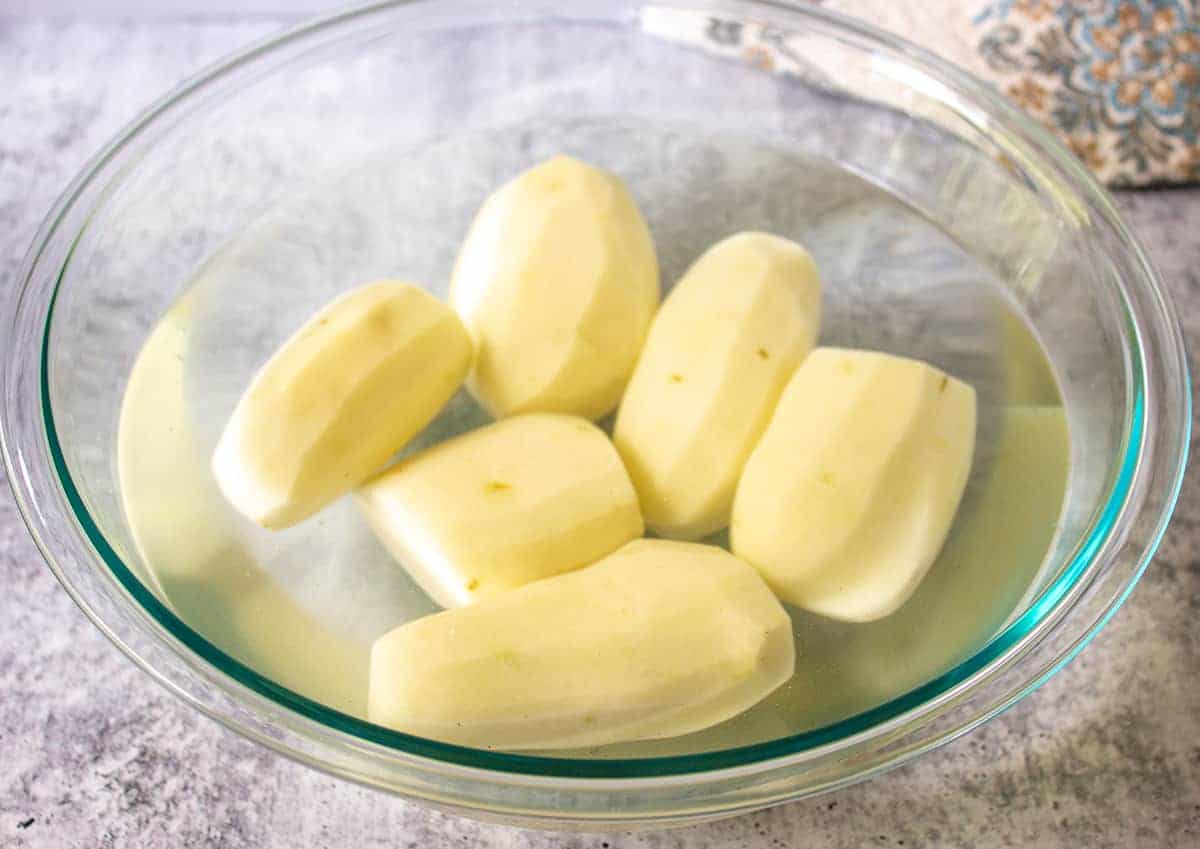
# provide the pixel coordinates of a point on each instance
(847, 498)
(718, 354)
(557, 282)
(342, 395)
(525, 498)
(657, 639)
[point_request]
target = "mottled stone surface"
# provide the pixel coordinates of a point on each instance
(92, 753)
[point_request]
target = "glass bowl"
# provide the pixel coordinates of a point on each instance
(359, 146)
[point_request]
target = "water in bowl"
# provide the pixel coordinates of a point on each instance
(302, 606)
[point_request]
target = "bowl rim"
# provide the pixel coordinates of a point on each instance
(1018, 636)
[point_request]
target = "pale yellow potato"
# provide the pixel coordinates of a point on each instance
(847, 499)
(716, 359)
(522, 499)
(189, 553)
(659, 638)
(342, 395)
(557, 282)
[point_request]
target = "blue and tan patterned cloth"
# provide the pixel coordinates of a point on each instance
(1117, 80)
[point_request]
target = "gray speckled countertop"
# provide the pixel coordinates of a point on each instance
(92, 753)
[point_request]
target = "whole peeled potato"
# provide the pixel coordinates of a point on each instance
(718, 355)
(657, 639)
(557, 282)
(347, 391)
(523, 498)
(849, 495)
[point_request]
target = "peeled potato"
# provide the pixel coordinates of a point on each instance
(557, 282)
(847, 499)
(348, 390)
(717, 357)
(525, 498)
(657, 639)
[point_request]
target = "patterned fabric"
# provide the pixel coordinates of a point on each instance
(1118, 81)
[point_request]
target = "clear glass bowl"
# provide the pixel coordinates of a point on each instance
(358, 145)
